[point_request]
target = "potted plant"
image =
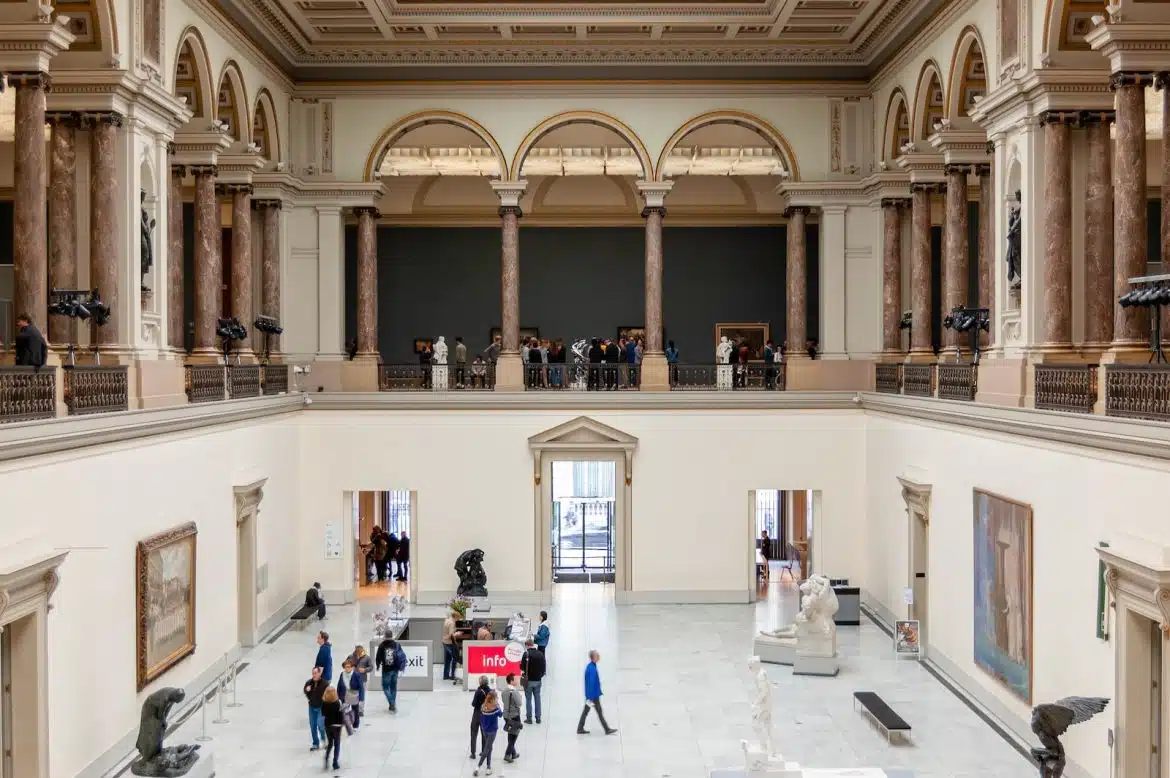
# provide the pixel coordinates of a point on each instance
(460, 606)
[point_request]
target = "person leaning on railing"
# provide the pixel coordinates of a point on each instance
(30, 343)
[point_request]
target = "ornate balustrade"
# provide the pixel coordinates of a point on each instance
(1069, 388)
(274, 379)
(889, 378)
(96, 389)
(436, 378)
(205, 383)
(27, 394)
(957, 382)
(754, 376)
(243, 381)
(918, 380)
(1138, 391)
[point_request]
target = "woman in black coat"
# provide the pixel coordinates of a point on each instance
(334, 721)
(476, 704)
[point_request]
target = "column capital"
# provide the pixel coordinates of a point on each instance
(203, 170)
(658, 209)
(94, 118)
(1071, 118)
(180, 170)
(367, 210)
(958, 169)
(990, 147)
(1098, 117)
(509, 192)
(32, 79)
(64, 118)
(654, 192)
(234, 189)
(276, 204)
(895, 202)
(170, 148)
(792, 210)
(928, 187)
(1162, 80)
(507, 209)
(1130, 78)
(983, 169)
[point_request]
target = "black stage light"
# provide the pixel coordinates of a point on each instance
(268, 325)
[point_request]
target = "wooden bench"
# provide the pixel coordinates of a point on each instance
(304, 616)
(882, 714)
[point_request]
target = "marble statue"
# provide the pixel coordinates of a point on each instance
(472, 578)
(723, 351)
(580, 360)
(440, 357)
(1013, 243)
(154, 760)
(519, 627)
(1051, 720)
(147, 238)
(818, 605)
(762, 707)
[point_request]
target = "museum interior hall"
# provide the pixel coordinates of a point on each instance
(706, 389)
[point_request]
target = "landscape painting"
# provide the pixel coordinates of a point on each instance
(165, 573)
(1003, 591)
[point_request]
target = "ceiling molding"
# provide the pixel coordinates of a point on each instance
(377, 90)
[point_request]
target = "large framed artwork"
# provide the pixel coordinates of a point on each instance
(755, 334)
(165, 574)
(525, 333)
(637, 332)
(1003, 591)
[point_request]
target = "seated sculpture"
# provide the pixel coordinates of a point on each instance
(472, 578)
(818, 605)
(155, 761)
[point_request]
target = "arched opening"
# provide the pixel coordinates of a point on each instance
(92, 24)
(773, 157)
(606, 128)
(929, 102)
(897, 127)
(475, 144)
(265, 132)
(231, 103)
(192, 79)
(1067, 22)
(968, 75)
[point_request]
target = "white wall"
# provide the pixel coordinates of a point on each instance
(100, 504)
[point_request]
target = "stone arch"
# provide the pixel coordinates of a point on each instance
(94, 25)
(265, 130)
(896, 133)
(192, 74)
(761, 127)
(584, 117)
(231, 102)
(1066, 23)
(421, 119)
(929, 101)
(967, 77)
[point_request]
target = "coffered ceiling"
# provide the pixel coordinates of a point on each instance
(363, 40)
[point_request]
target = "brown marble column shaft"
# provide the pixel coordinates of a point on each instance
(1130, 240)
(920, 308)
(1057, 327)
(367, 280)
(956, 256)
(892, 274)
(242, 261)
(29, 256)
(1099, 299)
(208, 262)
(797, 336)
(103, 218)
(654, 217)
(63, 218)
(986, 248)
(510, 278)
(176, 321)
(270, 297)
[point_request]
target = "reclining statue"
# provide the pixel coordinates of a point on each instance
(817, 607)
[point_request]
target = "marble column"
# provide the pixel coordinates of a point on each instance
(986, 247)
(892, 274)
(956, 256)
(63, 218)
(1099, 299)
(1130, 325)
(270, 266)
(242, 263)
(1162, 82)
(176, 321)
(510, 279)
(1057, 326)
(653, 216)
(208, 262)
(103, 219)
(367, 281)
(921, 310)
(29, 198)
(797, 336)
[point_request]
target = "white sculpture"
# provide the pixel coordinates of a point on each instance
(392, 622)
(818, 605)
(723, 351)
(760, 758)
(441, 351)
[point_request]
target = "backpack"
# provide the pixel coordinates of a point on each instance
(399, 660)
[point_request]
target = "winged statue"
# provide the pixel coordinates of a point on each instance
(1051, 720)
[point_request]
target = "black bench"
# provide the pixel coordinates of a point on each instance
(881, 713)
(302, 617)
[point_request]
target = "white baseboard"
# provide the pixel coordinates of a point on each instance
(337, 596)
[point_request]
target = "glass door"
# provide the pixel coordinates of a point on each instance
(583, 512)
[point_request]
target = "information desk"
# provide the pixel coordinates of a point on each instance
(426, 623)
(494, 658)
(419, 675)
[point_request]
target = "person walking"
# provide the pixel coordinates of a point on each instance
(391, 660)
(314, 692)
(593, 695)
(391, 556)
(672, 361)
(403, 557)
(324, 656)
(542, 632)
(477, 701)
(489, 724)
(334, 721)
(31, 350)
(513, 697)
(363, 665)
(532, 667)
(350, 686)
(450, 649)
(460, 362)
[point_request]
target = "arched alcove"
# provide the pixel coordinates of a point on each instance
(192, 74)
(929, 101)
(231, 102)
(265, 131)
(897, 126)
(968, 79)
(569, 118)
(396, 131)
(759, 127)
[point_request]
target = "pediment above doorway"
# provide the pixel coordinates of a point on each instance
(583, 433)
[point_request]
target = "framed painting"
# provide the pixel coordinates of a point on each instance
(165, 575)
(637, 332)
(755, 334)
(420, 344)
(1003, 591)
(525, 333)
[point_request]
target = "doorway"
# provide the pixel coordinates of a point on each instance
(247, 508)
(582, 529)
(781, 531)
(917, 498)
(384, 562)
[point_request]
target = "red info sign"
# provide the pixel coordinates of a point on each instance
(493, 659)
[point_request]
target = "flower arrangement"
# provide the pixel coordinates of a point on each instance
(460, 606)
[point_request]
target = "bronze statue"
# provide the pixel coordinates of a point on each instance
(155, 761)
(1013, 247)
(472, 578)
(147, 238)
(1051, 720)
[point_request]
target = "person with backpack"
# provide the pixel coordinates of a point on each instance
(391, 660)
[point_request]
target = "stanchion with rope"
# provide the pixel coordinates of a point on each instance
(223, 719)
(235, 703)
(203, 737)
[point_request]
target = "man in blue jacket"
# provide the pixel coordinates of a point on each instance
(324, 656)
(593, 696)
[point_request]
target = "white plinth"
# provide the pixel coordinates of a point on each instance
(480, 605)
(779, 770)
(777, 651)
(723, 377)
(807, 664)
(439, 378)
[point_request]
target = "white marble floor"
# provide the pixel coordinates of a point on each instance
(675, 685)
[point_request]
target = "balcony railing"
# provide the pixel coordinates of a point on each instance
(582, 377)
(205, 383)
(957, 382)
(243, 381)
(96, 389)
(889, 378)
(918, 380)
(754, 376)
(1138, 391)
(274, 378)
(27, 393)
(1069, 388)
(436, 378)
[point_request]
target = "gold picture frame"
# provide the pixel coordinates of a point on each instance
(165, 601)
(755, 333)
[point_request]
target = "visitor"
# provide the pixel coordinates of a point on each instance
(769, 365)
(450, 649)
(484, 632)
(489, 724)
(371, 551)
(313, 599)
(741, 366)
(672, 361)
(535, 364)
(391, 556)
(314, 692)
(425, 355)
(478, 373)
(363, 664)
(460, 362)
(513, 697)
(632, 361)
(403, 557)
(556, 361)
(30, 347)
(593, 695)
(334, 720)
(765, 546)
(391, 660)
(477, 700)
(596, 356)
(382, 554)
(532, 667)
(350, 687)
(613, 358)
(542, 632)
(324, 655)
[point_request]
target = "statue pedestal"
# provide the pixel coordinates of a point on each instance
(723, 377)
(440, 378)
(808, 664)
(777, 651)
(204, 767)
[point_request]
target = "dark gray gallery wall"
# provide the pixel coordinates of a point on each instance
(575, 282)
